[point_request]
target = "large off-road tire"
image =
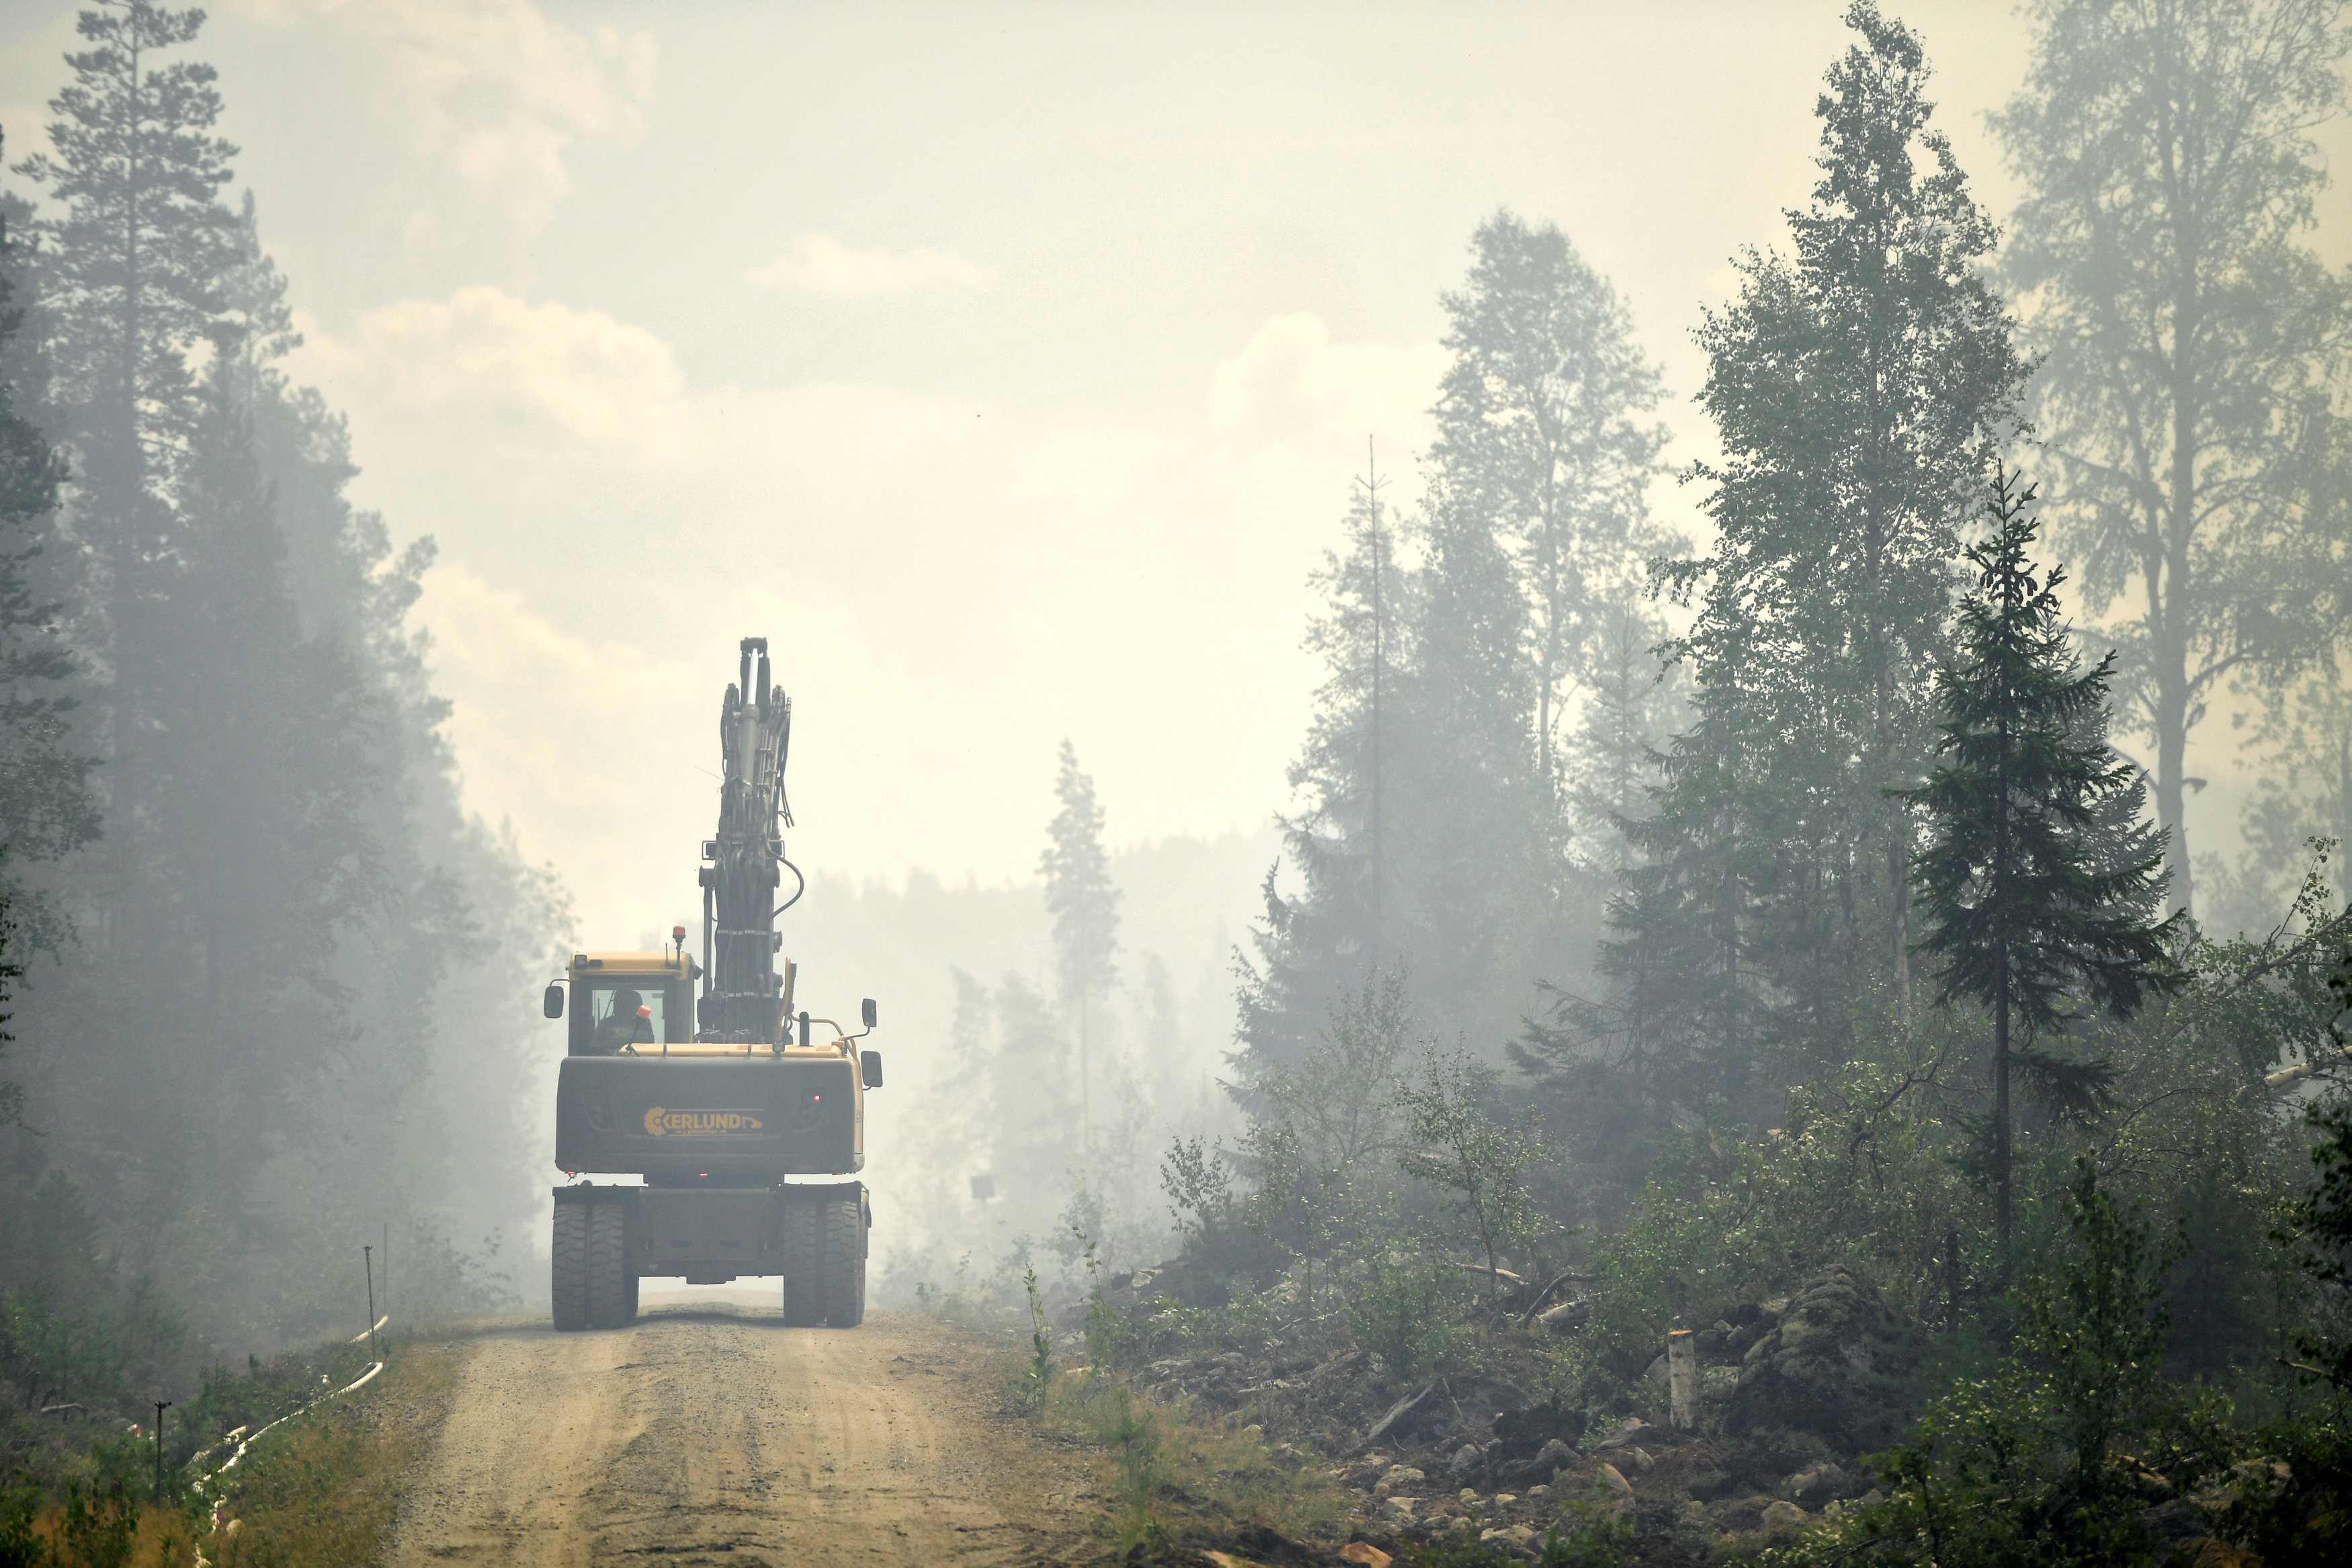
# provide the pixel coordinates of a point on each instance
(608, 1267)
(633, 1297)
(845, 1263)
(568, 1267)
(804, 1260)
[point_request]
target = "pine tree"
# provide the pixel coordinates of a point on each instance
(2194, 345)
(2038, 875)
(46, 805)
(134, 267)
(1084, 903)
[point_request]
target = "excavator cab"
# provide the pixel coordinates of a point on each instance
(655, 989)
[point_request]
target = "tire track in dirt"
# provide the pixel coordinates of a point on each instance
(713, 1436)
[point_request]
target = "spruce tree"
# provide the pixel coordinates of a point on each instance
(288, 865)
(1084, 903)
(263, 765)
(2041, 890)
(1354, 827)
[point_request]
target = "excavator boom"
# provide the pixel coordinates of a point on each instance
(743, 997)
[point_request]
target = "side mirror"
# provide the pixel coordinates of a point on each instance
(551, 1004)
(866, 1010)
(869, 1068)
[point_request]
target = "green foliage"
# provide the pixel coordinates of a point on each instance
(2096, 1330)
(1435, 778)
(2054, 1458)
(1588, 1536)
(2290, 1501)
(2190, 340)
(1111, 1341)
(46, 809)
(2038, 873)
(1084, 903)
(20, 1505)
(1351, 831)
(287, 864)
(1860, 387)
(1078, 890)
(2039, 876)
(1041, 1342)
(2319, 1224)
(1406, 1310)
(1338, 1100)
(1479, 1164)
(101, 1526)
(1133, 1438)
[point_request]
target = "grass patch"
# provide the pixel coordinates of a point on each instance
(1176, 1476)
(107, 1525)
(323, 1490)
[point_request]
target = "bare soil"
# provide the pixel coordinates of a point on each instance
(702, 1434)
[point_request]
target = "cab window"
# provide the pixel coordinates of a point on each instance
(613, 1013)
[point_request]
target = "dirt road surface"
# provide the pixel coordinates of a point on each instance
(721, 1436)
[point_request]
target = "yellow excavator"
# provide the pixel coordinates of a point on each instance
(699, 1079)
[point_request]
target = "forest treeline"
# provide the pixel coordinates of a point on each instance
(1799, 931)
(269, 981)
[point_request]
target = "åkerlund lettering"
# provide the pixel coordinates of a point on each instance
(660, 1122)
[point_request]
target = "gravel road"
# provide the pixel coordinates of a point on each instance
(719, 1436)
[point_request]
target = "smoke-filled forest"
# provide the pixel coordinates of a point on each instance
(1733, 1040)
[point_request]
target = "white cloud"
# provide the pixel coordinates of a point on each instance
(1292, 383)
(953, 583)
(497, 91)
(821, 264)
(497, 365)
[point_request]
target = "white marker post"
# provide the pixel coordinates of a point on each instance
(1682, 1378)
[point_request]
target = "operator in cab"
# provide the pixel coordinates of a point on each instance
(631, 1022)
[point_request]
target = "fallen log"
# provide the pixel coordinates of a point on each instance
(1395, 1411)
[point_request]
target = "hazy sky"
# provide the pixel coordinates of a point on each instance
(1006, 365)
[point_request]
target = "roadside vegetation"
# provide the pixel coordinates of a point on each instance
(1739, 1062)
(316, 1486)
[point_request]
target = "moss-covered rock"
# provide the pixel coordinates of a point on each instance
(1836, 1362)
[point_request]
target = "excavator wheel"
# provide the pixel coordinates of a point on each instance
(568, 1270)
(804, 1260)
(845, 1263)
(608, 1267)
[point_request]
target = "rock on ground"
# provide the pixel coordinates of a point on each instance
(1837, 1362)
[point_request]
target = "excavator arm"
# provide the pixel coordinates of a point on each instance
(744, 998)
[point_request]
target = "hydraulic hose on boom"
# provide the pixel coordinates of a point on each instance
(743, 998)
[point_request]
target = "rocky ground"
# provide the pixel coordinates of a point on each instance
(1795, 1392)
